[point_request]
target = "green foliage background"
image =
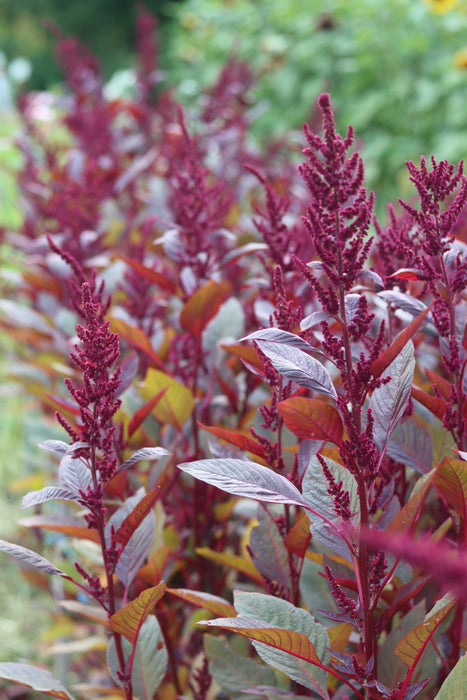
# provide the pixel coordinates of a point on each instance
(105, 26)
(390, 67)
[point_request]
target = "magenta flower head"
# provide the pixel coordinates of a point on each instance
(96, 396)
(339, 214)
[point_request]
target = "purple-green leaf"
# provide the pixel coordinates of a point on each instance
(388, 402)
(29, 557)
(36, 678)
(144, 453)
(244, 478)
(297, 366)
(48, 493)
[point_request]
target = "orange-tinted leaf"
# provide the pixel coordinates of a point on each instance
(407, 519)
(339, 635)
(61, 523)
(201, 307)
(295, 643)
(248, 355)
(299, 536)
(149, 274)
(143, 412)
(451, 482)
(434, 404)
(238, 439)
(137, 339)
(385, 359)
(91, 612)
(413, 644)
(128, 620)
(177, 403)
(213, 603)
(152, 572)
(313, 419)
(245, 566)
(136, 517)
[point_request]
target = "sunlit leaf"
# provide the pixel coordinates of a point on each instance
(312, 419)
(129, 619)
(142, 413)
(36, 678)
(244, 478)
(451, 482)
(298, 537)
(177, 404)
(232, 561)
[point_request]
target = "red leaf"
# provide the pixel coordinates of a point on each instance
(434, 404)
(137, 515)
(407, 519)
(385, 359)
(408, 273)
(443, 386)
(238, 439)
(312, 419)
(201, 307)
(149, 274)
(137, 339)
(143, 412)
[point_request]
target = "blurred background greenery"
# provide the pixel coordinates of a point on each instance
(396, 71)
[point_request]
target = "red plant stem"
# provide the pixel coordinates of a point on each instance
(362, 559)
(100, 523)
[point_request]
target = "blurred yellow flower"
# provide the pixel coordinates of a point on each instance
(460, 59)
(440, 6)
